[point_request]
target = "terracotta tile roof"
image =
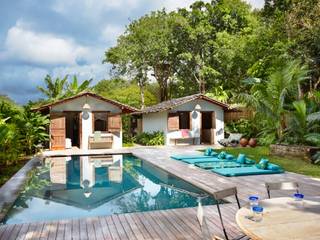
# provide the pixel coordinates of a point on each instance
(167, 105)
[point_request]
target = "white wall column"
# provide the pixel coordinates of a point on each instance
(86, 118)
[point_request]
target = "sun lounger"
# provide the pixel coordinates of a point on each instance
(206, 160)
(218, 164)
(245, 171)
(182, 157)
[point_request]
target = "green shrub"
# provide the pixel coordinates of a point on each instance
(150, 139)
(244, 126)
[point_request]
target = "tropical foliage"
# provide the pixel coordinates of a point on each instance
(150, 139)
(21, 130)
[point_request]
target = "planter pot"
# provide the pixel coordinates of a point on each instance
(253, 142)
(243, 142)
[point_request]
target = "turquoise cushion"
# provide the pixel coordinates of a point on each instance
(229, 157)
(208, 151)
(241, 158)
(244, 171)
(250, 161)
(263, 164)
(272, 166)
(213, 153)
(222, 155)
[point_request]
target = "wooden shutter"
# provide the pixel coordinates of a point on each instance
(173, 122)
(114, 123)
(57, 131)
(213, 119)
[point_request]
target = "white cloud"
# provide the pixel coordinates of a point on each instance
(23, 44)
(96, 71)
(111, 32)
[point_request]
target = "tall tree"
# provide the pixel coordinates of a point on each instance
(198, 47)
(144, 49)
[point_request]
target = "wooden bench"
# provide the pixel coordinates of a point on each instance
(180, 138)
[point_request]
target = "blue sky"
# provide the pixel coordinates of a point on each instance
(60, 37)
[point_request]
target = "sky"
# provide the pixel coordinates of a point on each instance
(60, 37)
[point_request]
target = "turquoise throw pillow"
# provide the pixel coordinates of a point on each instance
(264, 163)
(250, 161)
(241, 158)
(222, 155)
(229, 157)
(213, 153)
(208, 151)
(273, 167)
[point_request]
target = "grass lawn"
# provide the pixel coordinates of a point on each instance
(6, 172)
(288, 163)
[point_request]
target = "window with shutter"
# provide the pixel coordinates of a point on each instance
(114, 123)
(173, 122)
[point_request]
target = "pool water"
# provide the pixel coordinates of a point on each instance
(75, 187)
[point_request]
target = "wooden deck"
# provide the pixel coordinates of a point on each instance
(165, 224)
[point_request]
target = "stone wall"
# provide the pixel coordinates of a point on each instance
(304, 152)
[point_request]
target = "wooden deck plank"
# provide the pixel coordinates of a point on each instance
(152, 227)
(126, 227)
(45, 231)
(135, 228)
(147, 225)
(83, 229)
(182, 224)
(75, 229)
(60, 230)
(53, 230)
(160, 226)
(90, 229)
(31, 230)
(105, 229)
(112, 228)
(16, 230)
(97, 228)
(68, 230)
(37, 233)
(7, 231)
(119, 228)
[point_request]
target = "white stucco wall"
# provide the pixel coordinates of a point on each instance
(158, 121)
(95, 105)
(153, 122)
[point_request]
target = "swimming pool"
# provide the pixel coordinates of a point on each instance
(75, 187)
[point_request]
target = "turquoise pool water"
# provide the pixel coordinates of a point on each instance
(75, 187)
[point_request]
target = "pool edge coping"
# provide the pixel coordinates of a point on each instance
(10, 191)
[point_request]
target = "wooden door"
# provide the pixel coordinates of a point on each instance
(57, 131)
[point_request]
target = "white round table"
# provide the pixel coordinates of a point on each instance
(283, 218)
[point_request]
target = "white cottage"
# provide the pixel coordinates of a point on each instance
(192, 119)
(86, 121)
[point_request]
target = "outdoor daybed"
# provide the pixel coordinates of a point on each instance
(245, 171)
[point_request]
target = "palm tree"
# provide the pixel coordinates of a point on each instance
(303, 125)
(271, 98)
(74, 88)
(54, 89)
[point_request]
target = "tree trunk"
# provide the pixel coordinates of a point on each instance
(142, 97)
(162, 73)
